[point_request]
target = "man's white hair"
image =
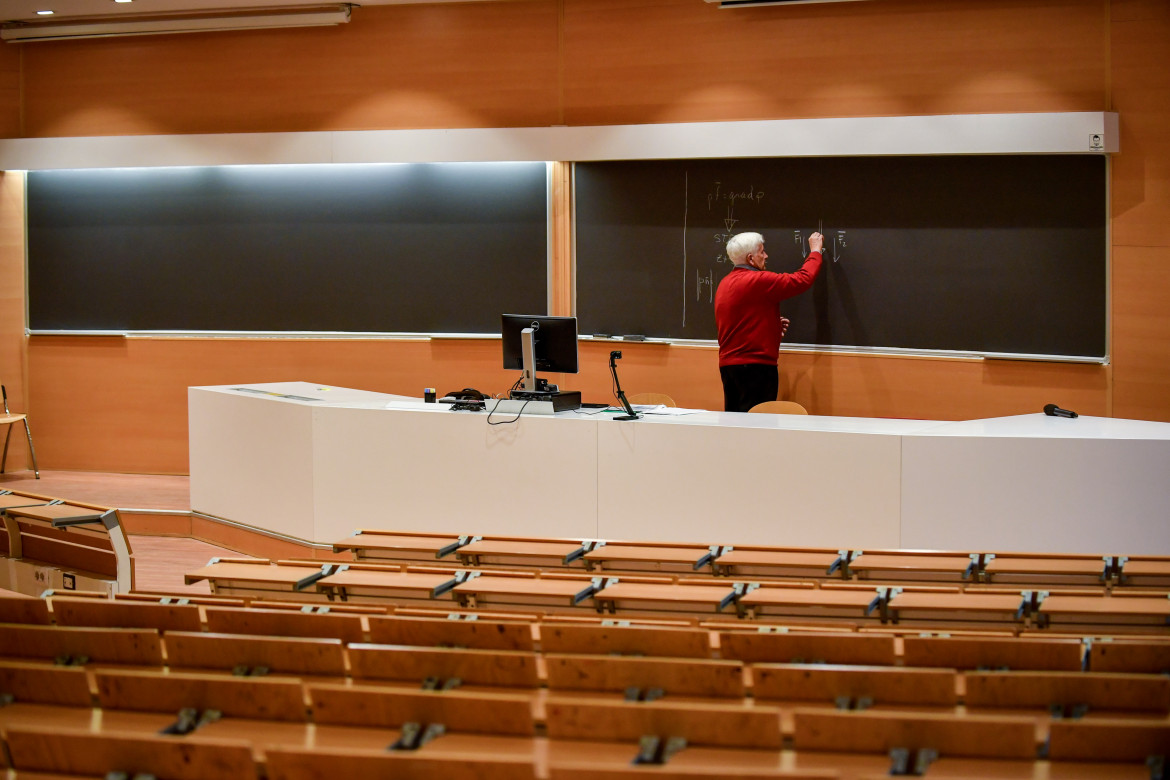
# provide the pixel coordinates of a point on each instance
(741, 245)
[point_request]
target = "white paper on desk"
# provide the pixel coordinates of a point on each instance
(669, 411)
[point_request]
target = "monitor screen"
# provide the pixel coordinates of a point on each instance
(555, 342)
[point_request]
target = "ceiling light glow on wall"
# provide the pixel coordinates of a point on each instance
(44, 13)
(105, 27)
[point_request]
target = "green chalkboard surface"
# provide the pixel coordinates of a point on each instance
(990, 254)
(439, 248)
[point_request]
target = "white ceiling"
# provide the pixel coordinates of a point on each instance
(26, 10)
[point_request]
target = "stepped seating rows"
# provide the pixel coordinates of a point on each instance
(58, 543)
(438, 656)
(760, 563)
(694, 598)
(510, 700)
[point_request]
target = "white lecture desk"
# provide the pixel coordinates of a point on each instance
(314, 463)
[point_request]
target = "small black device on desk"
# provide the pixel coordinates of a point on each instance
(468, 399)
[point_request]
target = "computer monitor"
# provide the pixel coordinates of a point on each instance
(539, 343)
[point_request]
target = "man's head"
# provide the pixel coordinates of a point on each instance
(747, 249)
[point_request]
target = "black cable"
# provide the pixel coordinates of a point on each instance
(506, 422)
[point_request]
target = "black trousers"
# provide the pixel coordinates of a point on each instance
(749, 384)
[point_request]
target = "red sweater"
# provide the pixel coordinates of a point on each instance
(747, 311)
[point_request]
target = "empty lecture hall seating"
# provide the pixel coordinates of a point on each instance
(437, 655)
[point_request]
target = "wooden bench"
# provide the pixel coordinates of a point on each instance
(657, 558)
(78, 646)
(444, 666)
(700, 724)
(854, 687)
(645, 678)
(1046, 570)
(1145, 572)
(773, 600)
(524, 590)
(34, 694)
(686, 597)
(942, 608)
(910, 567)
(85, 542)
(19, 608)
(754, 562)
(97, 755)
(1058, 610)
(368, 583)
(255, 655)
(625, 640)
(1106, 740)
(480, 634)
(399, 547)
(523, 553)
(964, 736)
(284, 622)
(993, 653)
(497, 713)
(261, 578)
(1068, 691)
(232, 697)
(810, 648)
(353, 764)
(1130, 655)
(125, 614)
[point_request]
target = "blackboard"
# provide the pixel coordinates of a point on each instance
(974, 254)
(442, 248)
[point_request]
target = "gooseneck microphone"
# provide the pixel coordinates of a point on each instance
(1052, 410)
(630, 413)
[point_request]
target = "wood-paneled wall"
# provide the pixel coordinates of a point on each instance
(113, 404)
(13, 344)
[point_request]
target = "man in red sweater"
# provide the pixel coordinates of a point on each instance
(747, 315)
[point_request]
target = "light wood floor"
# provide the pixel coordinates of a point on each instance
(159, 561)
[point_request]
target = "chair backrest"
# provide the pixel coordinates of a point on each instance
(778, 407)
(652, 399)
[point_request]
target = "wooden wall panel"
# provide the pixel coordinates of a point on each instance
(13, 370)
(1140, 43)
(442, 65)
(684, 60)
(114, 404)
(10, 116)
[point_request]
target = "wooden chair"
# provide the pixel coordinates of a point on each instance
(1107, 740)
(969, 736)
(125, 614)
(9, 419)
(284, 622)
(626, 640)
(809, 648)
(1130, 655)
(24, 609)
(57, 751)
(255, 655)
(441, 666)
(479, 634)
(1056, 655)
(669, 677)
(854, 686)
(1068, 691)
(353, 764)
(651, 399)
(252, 698)
(77, 646)
(709, 725)
(778, 407)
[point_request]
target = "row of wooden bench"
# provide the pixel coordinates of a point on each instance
(275, 714)
(565, 593)
(759, 562)
(62, 543)
(248, 638)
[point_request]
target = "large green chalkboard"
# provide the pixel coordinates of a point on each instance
(440, 248)
(975, 254)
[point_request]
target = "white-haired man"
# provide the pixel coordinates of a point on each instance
(747, 315)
